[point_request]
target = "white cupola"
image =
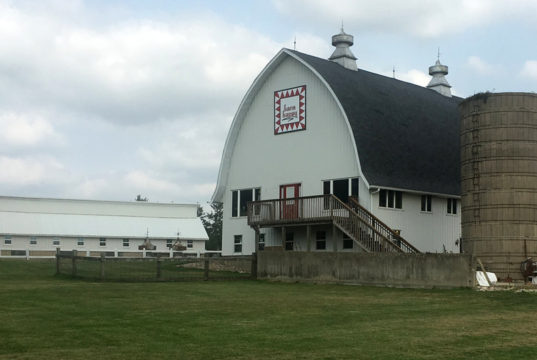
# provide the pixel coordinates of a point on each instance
(343, 54)
(439, 83)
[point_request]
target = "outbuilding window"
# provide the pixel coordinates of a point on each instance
(391, 199)
(426, 203)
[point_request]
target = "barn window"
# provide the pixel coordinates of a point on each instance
(320, 240)
(80, 241)
(289, 241)
(426, 201)
(237, 240)
(391, 199)
(240, 199)
(347, 242)
(342, 188)
(452, 206)
(261, 245)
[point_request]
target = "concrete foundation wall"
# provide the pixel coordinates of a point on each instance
(400, 270)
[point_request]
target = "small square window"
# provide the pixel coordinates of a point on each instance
(33, 240)
(102, 242)
(237, 242)
(126, 243)
(56, 242)
(80, 242)
(320, 240)
(190, 244)
(7, 240)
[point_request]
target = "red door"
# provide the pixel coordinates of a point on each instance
(289, 205)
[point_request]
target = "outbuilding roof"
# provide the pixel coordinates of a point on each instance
(407, 136)
(108, 226)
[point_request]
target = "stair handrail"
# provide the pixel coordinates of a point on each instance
(404, 242)
(351, 211)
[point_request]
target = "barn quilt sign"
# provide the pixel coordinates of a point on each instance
(290, 110)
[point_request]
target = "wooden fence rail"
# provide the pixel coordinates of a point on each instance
(155, 269)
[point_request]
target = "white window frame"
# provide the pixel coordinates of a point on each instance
(56, 241)
(169, 243)
(238, 191)
(237, 241)
(387, 200)
(102, 242)
(190, 244)
(261, 244)
(126, 242)
(33, 240)
(428, 203)
(452, 206)
(8, 240)
(80, 241)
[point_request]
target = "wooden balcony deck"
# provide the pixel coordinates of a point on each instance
(359, 224)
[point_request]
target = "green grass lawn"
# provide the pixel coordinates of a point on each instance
(48, 317)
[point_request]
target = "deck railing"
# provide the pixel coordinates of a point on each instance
(381, 227)
(371, 236)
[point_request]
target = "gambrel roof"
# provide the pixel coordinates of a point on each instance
(406, 136)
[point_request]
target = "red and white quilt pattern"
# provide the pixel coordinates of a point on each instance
(290, 110)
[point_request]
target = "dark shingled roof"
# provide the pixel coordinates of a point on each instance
(407, 136)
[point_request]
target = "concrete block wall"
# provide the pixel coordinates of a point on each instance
(379, 269)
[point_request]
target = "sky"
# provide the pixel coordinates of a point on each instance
(108, 99)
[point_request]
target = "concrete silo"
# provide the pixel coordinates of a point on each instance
(499, 179)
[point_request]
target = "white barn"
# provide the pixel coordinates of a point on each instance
(309, 127)
(37, 226)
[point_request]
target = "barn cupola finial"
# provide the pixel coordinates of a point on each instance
(343, 54)
(439, 83)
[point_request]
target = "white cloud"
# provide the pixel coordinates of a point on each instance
(529, 69)
(26, 129)
(428, 19)
(22, 171)
(480, 66)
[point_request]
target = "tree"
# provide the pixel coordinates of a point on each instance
(140, 198)
(212, 222)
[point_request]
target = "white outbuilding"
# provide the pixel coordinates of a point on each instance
(325, 156)
(37, 226)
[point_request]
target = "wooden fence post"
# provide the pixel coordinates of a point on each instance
(159, 270)
(206, 269)
(102, 265)
(58, 261)
(253, 271)
(74, 263)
